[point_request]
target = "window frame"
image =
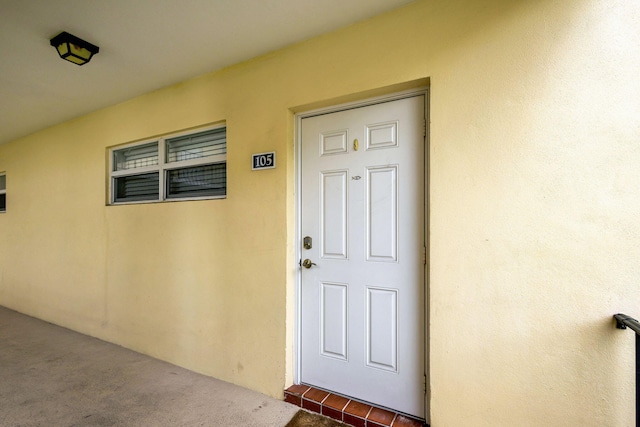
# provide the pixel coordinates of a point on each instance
(163, 167)
(3, 191)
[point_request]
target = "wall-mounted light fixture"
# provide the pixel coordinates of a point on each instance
(74, 49)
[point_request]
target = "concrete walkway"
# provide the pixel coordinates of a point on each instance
(51, 376)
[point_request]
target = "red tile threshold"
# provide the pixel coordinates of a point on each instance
(343, 409)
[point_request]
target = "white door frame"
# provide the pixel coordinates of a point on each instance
(297, 359)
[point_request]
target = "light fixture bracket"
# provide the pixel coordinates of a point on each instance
(74, 49)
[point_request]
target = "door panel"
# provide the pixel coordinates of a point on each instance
(382, 214)
(334, 320)
(362, 313)
(382, 329)
(334, 214)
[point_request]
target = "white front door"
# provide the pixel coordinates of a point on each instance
(362, 212)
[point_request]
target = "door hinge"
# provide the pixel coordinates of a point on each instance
(424, 255)
(424, 128)
(424, 383)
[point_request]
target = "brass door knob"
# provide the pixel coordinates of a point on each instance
(307, 263)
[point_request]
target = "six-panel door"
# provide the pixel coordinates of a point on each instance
(363, 207)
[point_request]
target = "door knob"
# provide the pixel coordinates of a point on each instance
(307, 263)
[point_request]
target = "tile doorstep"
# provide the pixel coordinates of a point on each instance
(345, 410)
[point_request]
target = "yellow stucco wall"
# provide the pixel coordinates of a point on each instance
(533, 193)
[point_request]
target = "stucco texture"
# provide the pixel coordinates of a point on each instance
(533, 210)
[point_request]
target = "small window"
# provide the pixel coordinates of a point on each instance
(178, 167)
(3, 192)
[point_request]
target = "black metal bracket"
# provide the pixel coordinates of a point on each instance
(623, 321)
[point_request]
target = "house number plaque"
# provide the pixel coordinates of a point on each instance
(264, 161)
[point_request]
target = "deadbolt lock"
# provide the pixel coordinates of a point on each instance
(307, 242)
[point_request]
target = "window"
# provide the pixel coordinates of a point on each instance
(3, 192)
(177, 167)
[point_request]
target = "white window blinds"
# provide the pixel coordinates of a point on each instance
(137, 187)
(205, 144)
(136, 157)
